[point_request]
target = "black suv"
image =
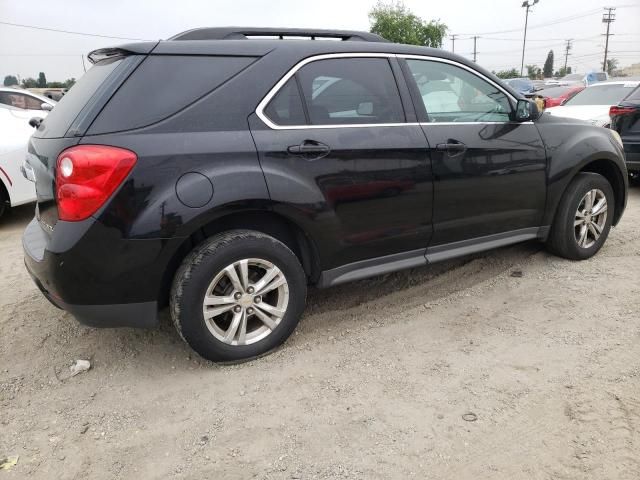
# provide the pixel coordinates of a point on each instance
(224, 170)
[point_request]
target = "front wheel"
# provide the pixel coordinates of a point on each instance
(583, 219)
(237, 296)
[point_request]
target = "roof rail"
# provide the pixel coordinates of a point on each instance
(235, 33)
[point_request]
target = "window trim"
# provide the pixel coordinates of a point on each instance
(276, 88)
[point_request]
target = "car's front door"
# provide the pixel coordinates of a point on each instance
(489, 171)
(342, 159)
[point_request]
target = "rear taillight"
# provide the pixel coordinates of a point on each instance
(615, 110)
(86, 176)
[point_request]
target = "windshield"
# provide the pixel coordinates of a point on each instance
(602, 94)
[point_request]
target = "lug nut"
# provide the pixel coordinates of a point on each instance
(250, 290)
(249, 310)
(237, 309)
(257, 299)
(237, 295)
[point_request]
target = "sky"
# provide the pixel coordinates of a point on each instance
(498, 23)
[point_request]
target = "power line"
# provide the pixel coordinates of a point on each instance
(569, 18)
(71, 32)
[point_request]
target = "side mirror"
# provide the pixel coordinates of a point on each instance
(526, 110)
(47, 107)
(35, 122)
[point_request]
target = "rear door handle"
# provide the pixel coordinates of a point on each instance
(310, 147)
(452, 147)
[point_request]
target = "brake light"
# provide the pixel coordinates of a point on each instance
(615, 110)
(87, 175)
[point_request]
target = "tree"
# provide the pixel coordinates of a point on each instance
(29, 83)
(42, 80)
(533, 71)
(10, 80)
(548, 65)
(513, 73)
(562, 72)
(398, 24)
(612, 64)
(69, 82)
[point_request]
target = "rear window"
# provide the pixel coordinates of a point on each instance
(635, 95)
(554, 92)
(163, 85)
(70, 106)
(602, 94)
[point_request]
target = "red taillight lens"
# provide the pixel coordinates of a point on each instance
(615, 110)
(86, 176)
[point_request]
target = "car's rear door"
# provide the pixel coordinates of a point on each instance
(489, 172)
(344, 157)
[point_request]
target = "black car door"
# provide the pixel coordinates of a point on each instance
(489, 172)
(344, 162)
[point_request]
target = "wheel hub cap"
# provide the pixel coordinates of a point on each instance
(590, 218)
(245, 301)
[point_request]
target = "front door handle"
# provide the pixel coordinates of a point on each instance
(311, 148)
(452, 147)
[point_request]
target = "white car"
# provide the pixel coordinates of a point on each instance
(17, 107)
(592, 104)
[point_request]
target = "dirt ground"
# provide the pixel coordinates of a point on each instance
(374, 384)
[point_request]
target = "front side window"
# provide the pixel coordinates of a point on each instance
(346, 91)
(453, 94)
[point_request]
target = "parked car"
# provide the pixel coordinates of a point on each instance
(579, 79)
(554, 96)
(16, 109)
(221, 198)
(521, 85)
(625, 119)
(593, 103)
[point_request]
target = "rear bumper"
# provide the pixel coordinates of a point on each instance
(99, 289)
(136, 315)
(632, 154)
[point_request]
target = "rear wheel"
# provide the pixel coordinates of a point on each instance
(583, 219)
(238, 295)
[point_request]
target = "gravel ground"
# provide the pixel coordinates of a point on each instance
(376, 382)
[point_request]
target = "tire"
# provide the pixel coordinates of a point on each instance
(206, 273)
(4, 202)
(565, 238)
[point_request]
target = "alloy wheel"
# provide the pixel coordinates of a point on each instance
(590, 218)
(246, 301)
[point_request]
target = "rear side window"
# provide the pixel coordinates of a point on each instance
(70, 106)
(286, 107)
(351, 91)
(163, 85)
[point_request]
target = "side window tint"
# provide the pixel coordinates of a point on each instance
(351, 91)
(453, 94)
(286, 107)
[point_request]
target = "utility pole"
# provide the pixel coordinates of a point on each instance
(607, 18)
(453, 43)
(526, 5)
(566, 54)
(475, 52)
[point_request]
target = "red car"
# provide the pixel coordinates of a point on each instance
(555, 96)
